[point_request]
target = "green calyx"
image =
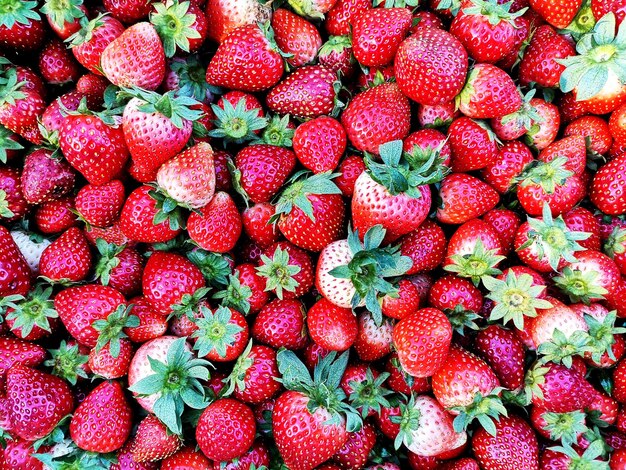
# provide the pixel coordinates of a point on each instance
(551, 238)
(589, 459)
(494, 11)
(27, 312)
(4, 205)
(70, 457)
(235, 295)
(189, 304)
(214, 267)
(62, 11)
(460, 319)
(177, 108)
(17, 11)
(323, 388)
(67, 362)
(396, 3)
(172, 22)
(85, 33)
(601, 60)
(191, 77)
(484, 409)
(236, 124)
(565, 427)
(535, 377)
(514, 298)
(336, 45)
(561, 349)
(278, 273)
(108, 260)
(168, 209)
(616, 243)
(237, 377)
(111, 330)
(402, 172)
(178, 381)
(7, 142)
(304, 183)
(215, 331)
(580, 286)
(369, 394)
(369, 267)
(547, 175)
(409, 420)
(526, 116)
(477, 265)
(602, 336)
(10, 88)
(277, 132)
(306, 8)
(453, 5)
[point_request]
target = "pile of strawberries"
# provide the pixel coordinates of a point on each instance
(313, 234)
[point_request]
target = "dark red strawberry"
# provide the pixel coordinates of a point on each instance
(68, 258)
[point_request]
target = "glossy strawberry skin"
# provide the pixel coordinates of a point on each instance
(464, 198)
(472, 147)
(538, 63)
(377, 33)
(605, 192)
(334, 328)
(297, 36)
(281, 323)
(425, 246)
(501, 349)
(218, 227)
(15, 274)
(68, 257)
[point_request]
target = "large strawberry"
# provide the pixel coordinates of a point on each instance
(248, 59)
(153, 442)
(559, 13)
(21, 28)
(68, 258)
(320, 143)
(135, 58)
(20, 107)
(217, 226)
(430, 66)
(311, 421)
(472, 143)
(102, 422)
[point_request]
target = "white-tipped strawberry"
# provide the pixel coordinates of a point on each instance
(31, 247)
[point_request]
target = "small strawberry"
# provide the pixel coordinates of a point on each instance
(355, 452)
(223, 16)
(504, 353)
(188, 457)
(22, 29)
(100, 205)
(45, 178)
(239, 117)
(221, 335)
(543, 130)
(152, 442)
(21, 107)
(473, 145)
(181, 26)
(374, 339)
(217, 226)
(16, 351)
(68, 258)
(425, 246)
(57, 65)
(13, 205)
(295, 36)
(56, 216)
(558, 389)
(32, 317)
(281, 324)
(334, 328)
(151, 324)
(464, 197)
(350, 169)
(339, 18)
(539, 64)
(559, 14)
(605, 192)
(257, 225)
(253, 378)
(511, 160)
(320, 143)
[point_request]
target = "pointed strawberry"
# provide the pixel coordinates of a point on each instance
(217, 226)
(16, 351)
(152, 442)
(68, 258)
(295, 36)
(464, 197)
(377, 33)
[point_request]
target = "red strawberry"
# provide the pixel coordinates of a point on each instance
(464, 197)
(218, 226)
(19, 455)
(377, 33)
(339, 18)
(102, 422)
(257, 225)
(56, 216)
(538, 63)
(15, 351)
(13, 206)
(152, 442)
(137, 219)
(21, 107)
(406, 302)
(350, 169)
(151, 324)
(223, 16)
(355, 452)
(246, 60)
(100, 205)
(459, 298)
(135, 58)
(506, 223)
(68, 258)
(128, 11)
(580, 219)
(181, 26)
(511, 160)
(559, 14)
(594, 129)
(221, 335)
(262, 169)
(225, 429)
(514, 438)
(187, 457)
(374, 341)
(252, 379)
(37, 401)
(294, 35)
(336, 55)
(320, 143)
(334, 328)
(425, 246)
(15, 274)
(606, 187)
(45, 178)
(22, 29)
(376, 116)
(429, 329)
(281, 324)
(559, 389)
(91, 40)
(430, 66)
(504, 353)
(489, 93)
(544, 130)
(57, 66)
(288, 270)
(309, 91)
(473, 145)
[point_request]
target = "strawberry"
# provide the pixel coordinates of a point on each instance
(395, 194)
(580, 219)
(488, 93)
(219, 226)
(559, 14)
(355, 452)
(349, 272)
(514, 438)
(167, 277)
(125, 460)
(336, 55)
(21, 29)
(295, 36)
(334, 328)
(464, 197)
(127, 11)
(187, 457)
(245, 291)
(102, 422)
(310, 212)
(425, 246)
(487, 29)
(19, 455)
(157, 127)
(111, 363)
(57, 66)
(376, 116)
(100, 205)
(13, 206)
(88, 43)
(430, 66)
(37, 401)
(377, 33)
(152, 442)
(64, 18)
(350, 169)
(310, 91)
(458, 298)
(374, 339)
(594, 129)
(281, 324)
(573, 148)
(605, 192)
(248, 51)
(607, 93)
(239, 117)
(32, 317)
(506, 223)
(425, 427)
(285, 265)
(221, 335)
(558, 389)
(511, 160)
(539, 64)
(181, 26)
(15, 277)
(56, 216)
(151, 324)
(16, 351)
(137, 219)
(404, 304)
(339, 18)
(426, 328)
(514, 125)
(320, 143)
(68, 258)
(617, 123)
(45, 178)
(225, 429)
(135, 58)
(257, 225)
(253, 377)
(223, 16)
(20, 108)
(260, 170)
(544, 130)
(304, 438)
(473, 145)
(504, 353)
